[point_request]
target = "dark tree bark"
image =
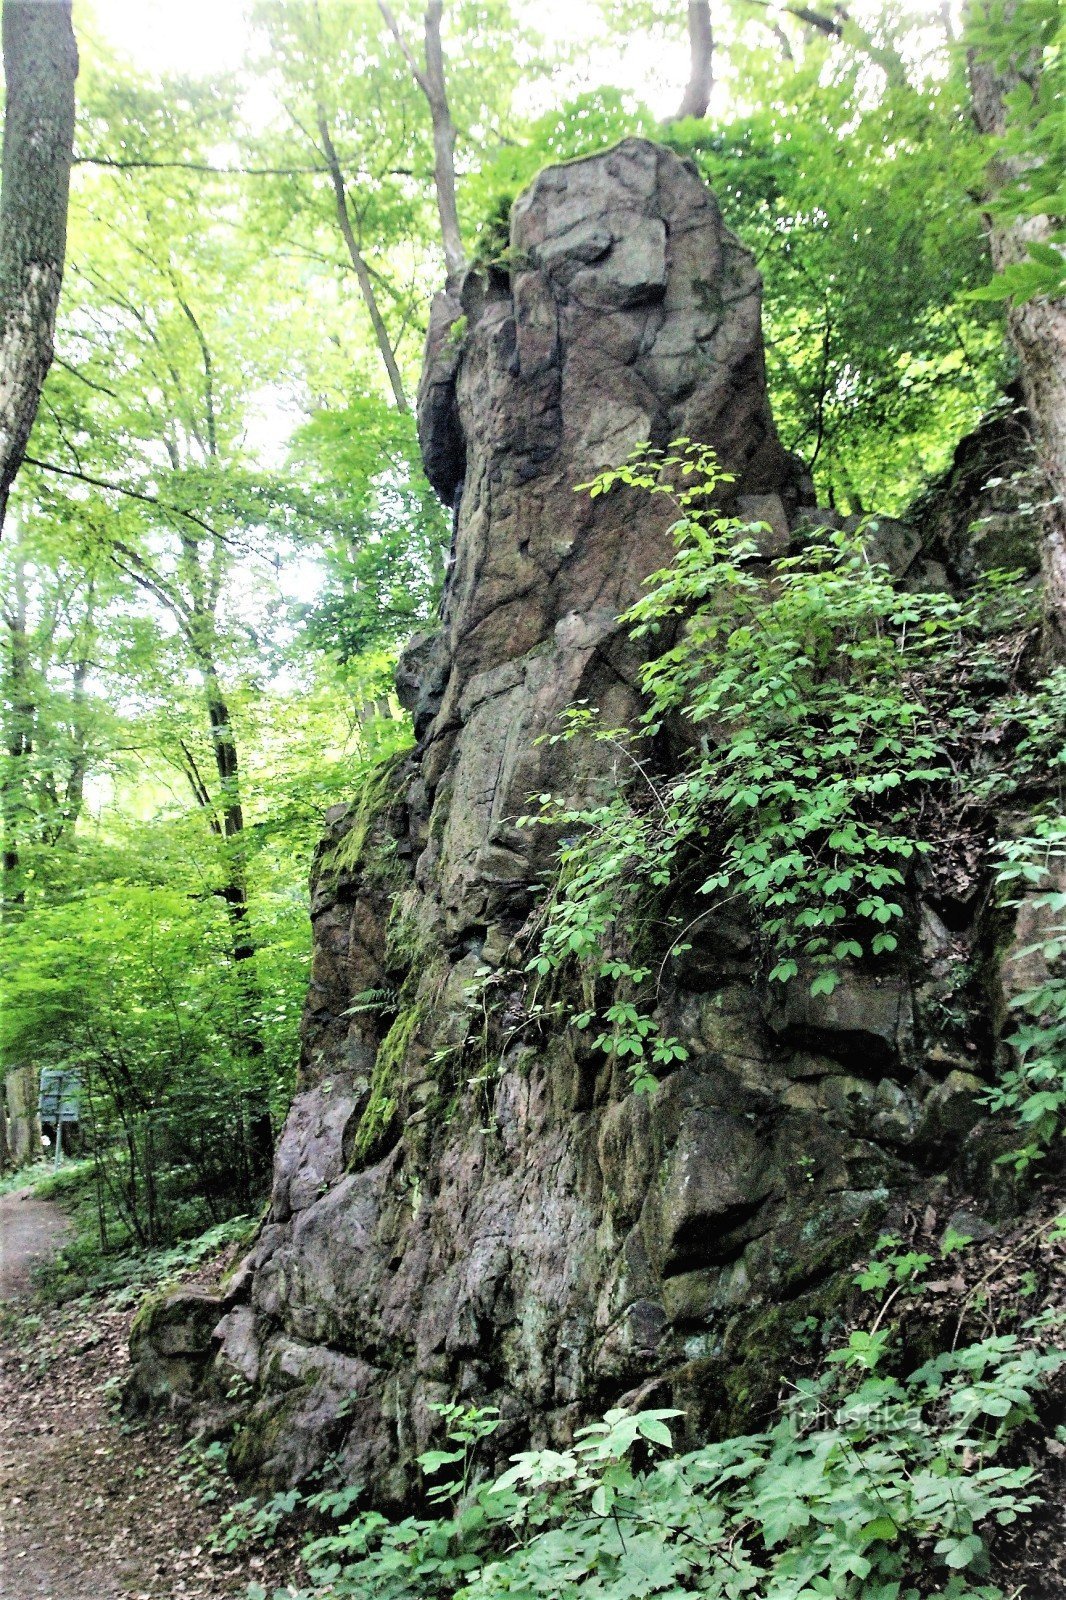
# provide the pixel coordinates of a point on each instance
(6, 1161)
(1037, 329)
(18, 743)
(431, 80)
(697, 96)
(40, 65)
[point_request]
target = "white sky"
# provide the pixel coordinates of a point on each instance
(194, 36)
(204, 36)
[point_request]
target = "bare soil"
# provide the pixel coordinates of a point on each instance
(31, 1231)
(90, 1508)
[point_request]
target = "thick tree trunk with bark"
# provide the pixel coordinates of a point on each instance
(697, 96)
(40, 65)
(1037, 330)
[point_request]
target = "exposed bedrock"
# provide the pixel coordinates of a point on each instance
(465, 1203)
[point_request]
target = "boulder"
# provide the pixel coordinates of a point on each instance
(171, 1347)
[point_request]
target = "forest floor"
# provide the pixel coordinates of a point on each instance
(92, 1508)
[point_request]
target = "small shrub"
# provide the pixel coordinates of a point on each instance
(1033, 1088)
(867, 1486)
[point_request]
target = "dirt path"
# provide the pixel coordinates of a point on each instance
(91, 1509)
(31, 1231)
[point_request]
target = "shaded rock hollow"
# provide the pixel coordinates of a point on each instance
(504, 1221)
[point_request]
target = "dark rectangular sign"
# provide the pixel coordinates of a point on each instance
(59, 1096)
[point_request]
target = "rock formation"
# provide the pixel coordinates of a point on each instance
(466, 1204)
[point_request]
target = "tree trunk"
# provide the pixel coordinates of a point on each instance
(359, 266)
(18, 743)
(1037, 331)
(40, 64)
(697, 96)
(432, 81)
(234, 890)
(435, 90)
(6, 1161)
(235, 896)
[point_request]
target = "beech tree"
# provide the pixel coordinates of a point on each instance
(697, 96)
(40, 66)
(430, 78)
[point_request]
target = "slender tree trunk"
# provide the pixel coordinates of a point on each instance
(359, 266)
(433, 83)
(18, 743)
(1037, 330)
(40, 65)
(74, 793)
(6, 1160)
(435, 88)
(235, 896)
(697, 96)
(224, 748)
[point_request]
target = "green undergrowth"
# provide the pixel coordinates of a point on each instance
(1032, 1089)
(24, 1177)
(883, 1476)
(833, 728)
(83, 1267)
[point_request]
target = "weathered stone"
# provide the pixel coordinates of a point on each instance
(522, 1230)
(171, 1346)
(868, 1019)
(310, 1154)
(979, 515)
(706, 1206)
(950, 1111)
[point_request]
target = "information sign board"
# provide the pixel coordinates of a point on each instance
(60, 1095)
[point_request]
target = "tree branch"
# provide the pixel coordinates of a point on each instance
(832, 26)
(101, 388)
(433, 84)
(362, 273)
(131, 494)
(409, 55)
(193, 166)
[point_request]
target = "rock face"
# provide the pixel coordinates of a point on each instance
(631, 315)
(468, 1202)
